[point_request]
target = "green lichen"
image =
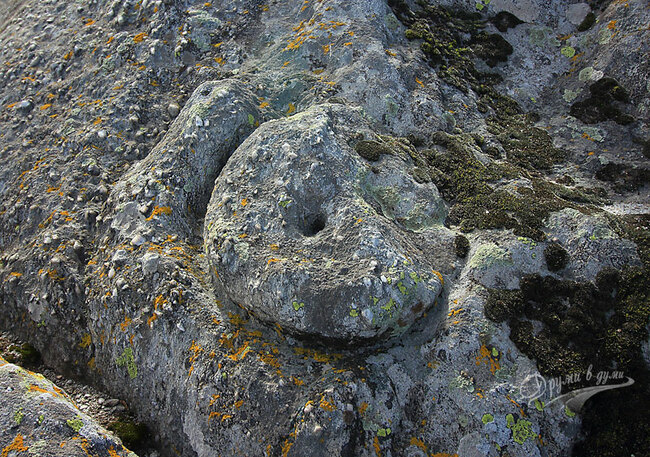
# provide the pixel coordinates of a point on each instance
(18, 416)
(487, 418)
(127, 360)
(489, 255)
(41, 418)
(568, 51)
(383, 432)
(464, 382)
(297, 305)
(568, 412)
(75, 424)
(539, 405)
(521, 430)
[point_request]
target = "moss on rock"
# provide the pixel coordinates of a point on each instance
(556, 257)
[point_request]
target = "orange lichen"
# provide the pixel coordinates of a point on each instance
(269, 359)
(160, 210)
(139, 37)
(126, 323)
(363, 407)
(375, 444)
(17, 445)
(418, 443)
(326, 405)
(485, 356)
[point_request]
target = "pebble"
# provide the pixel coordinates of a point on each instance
(173, 109)
(24, 105)
(112, 402)
(138, 240)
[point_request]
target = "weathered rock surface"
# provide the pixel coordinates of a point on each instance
(331, 228)
(37, 417)
(305, 233)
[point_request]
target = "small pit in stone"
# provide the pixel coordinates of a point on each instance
(313, 224)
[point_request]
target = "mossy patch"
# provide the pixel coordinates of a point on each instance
(525, 145)
(127, 360)
(371, 150)
(477, 200)
(587, 22)
(556, 257)
(134, 435)
(461, 246)
(624, 178)
(504, 21)
(606, 95)
(578, 327)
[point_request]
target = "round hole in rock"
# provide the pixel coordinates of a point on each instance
(314, 223)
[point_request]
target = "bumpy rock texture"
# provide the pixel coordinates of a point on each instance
(39, 418)
(327, 227)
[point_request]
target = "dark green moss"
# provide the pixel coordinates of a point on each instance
(587, 22)
(134, 435)
(504, 21)
(583, 323)
(23, 354)
(601, 104)
(556, 257)
(491, 47)
(371, 150)
(625, 178)
(461, 245)
(525, 145)
(477, 202)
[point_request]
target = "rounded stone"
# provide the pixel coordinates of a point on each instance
(308, 251)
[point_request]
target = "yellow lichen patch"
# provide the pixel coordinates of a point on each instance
(139, 37)
(126, 323)
(375, 445)
(292, 108)
(86, 340)
(15, 274)
(326, 405)
(264, 105)
(318, 356)
(160, 210)
(439, 275)
(419, 82)
(46, 106)
(17, 445)
(363, 407)
(391, 53)
(269, 359)
(244, 202)
(239, 355)
(418, 443)
(54, 393)
(485, 356)
(297, 381)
